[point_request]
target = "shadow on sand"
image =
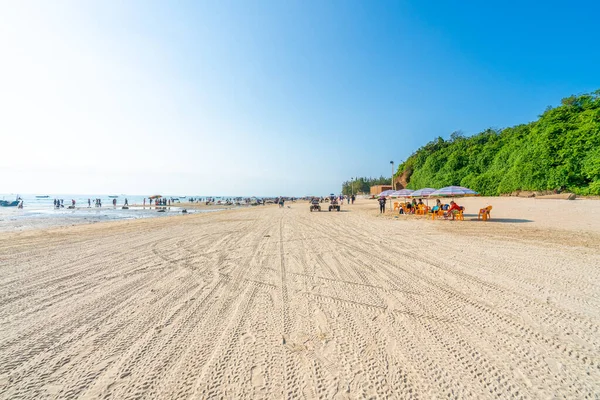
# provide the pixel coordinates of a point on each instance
(498, 220)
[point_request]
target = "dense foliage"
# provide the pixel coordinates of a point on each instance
(561, 150)
(362, 185)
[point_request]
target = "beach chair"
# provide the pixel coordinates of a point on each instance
(484, 213)
(396, 206)
(437, 214)
(460, 216)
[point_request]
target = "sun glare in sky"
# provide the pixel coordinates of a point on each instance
(265, 98)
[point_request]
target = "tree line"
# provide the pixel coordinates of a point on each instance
(362, 184)
(559, 151)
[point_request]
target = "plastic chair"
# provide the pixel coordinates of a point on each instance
(439, 214)
(460, 216)
(484, 213)
(396, 206)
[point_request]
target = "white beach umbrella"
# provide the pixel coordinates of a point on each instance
(402, 193)
(425, 192)
(454, 191)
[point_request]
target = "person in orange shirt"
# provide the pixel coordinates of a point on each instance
(453, 210)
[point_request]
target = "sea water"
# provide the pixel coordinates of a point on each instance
(81, 200)
(41, 213)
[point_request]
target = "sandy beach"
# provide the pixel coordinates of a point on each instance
(269, 302)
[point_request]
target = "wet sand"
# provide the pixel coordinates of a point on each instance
(268, 302)
(14, 220)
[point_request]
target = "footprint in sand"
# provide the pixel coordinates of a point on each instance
(258, 379)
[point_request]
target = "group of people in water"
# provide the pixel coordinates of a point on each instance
(60, 203)
(98, 203)
(157, 202)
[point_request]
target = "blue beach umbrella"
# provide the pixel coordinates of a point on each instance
(454, 191)
(425, 192)
(402, 193)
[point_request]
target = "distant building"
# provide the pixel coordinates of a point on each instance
(375, 190)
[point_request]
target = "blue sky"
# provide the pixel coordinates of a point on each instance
(268, 97)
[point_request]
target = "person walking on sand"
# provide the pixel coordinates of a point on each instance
(382, 201)
(353, 198)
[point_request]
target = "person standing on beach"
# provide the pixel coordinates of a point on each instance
(144, 202)
(89, 203)
(353, 198)
(126, 202)
(382, 201)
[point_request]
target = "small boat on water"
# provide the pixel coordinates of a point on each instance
(6, 203)
(42, 197)
(112, 197)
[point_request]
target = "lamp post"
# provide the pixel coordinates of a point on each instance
(352, 186)
(391, 162)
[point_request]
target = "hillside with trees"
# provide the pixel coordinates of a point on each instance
(559, 151)
(362, 184)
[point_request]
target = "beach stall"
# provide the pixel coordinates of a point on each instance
(453, 192)
(405, 193)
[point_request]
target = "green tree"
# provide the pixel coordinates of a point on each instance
(561, 150)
